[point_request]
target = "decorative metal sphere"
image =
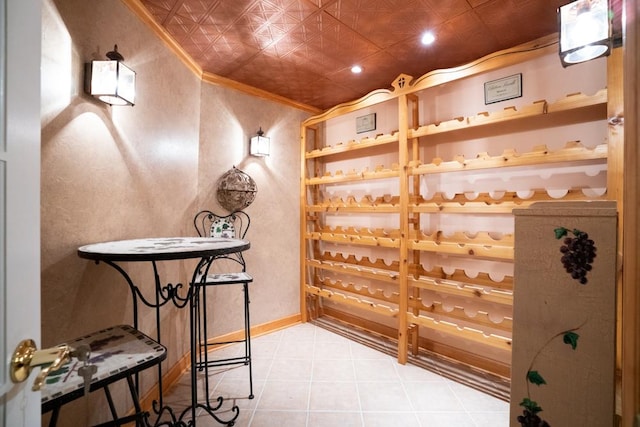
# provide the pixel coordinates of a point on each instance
(236, 190)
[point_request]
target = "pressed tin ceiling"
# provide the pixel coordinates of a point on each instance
(303, 50)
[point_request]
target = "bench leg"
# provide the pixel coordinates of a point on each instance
(54, 417)
(138, 416)
(112, 406)
(136, 402)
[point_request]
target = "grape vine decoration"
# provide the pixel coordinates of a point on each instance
(578, 253)
(530, 417)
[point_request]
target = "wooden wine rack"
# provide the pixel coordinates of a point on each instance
(377, 274)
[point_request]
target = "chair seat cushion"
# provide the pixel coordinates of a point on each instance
(227, 278)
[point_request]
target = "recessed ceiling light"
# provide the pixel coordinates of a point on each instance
(356, 69)
(428, 38)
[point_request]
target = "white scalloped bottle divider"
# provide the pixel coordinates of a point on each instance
(462, 199)
(572, 152)
(385, 302)
(470, 317)
(539, 108)
(381, 269)
(342, 147)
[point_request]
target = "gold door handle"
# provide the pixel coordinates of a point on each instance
(26, 356)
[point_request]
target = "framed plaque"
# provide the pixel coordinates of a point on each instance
(366, 123)
(503, 89)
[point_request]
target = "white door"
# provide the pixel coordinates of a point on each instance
(20, 23)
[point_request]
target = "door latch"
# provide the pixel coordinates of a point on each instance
(26, 357)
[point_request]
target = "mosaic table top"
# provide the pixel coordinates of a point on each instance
(162, 248)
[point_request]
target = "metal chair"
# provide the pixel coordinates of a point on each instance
(233, 225)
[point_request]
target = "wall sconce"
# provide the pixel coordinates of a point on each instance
(585, 31)
(110, 80)
(260, 144)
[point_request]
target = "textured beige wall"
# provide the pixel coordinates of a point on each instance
(228, 120)
(120, 172)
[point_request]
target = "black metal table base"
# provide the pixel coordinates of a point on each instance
(163, 295)
(166, 416)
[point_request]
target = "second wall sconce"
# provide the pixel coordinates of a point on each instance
(260, 144)
(110, 80)
(585, 31)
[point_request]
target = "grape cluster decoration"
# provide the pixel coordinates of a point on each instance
(578, 253)
(530, 417)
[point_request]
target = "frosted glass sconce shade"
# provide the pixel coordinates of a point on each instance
(110, 80)
(260, 144)
(585, 31)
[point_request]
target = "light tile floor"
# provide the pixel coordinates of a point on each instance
(307, 376)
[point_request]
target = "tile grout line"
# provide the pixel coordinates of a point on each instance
(396, 367)
(357, 383)
(266, 378)
(315, 335)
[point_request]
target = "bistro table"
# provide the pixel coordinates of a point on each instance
(153, 250)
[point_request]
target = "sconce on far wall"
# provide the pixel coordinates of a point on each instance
(110, 80)
(260, 144)
(585, 31)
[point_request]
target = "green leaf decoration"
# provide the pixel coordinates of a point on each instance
(530, 405)
(535, 378)
(571, 338)
(560, 232)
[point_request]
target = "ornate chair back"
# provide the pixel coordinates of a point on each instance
(234, 225)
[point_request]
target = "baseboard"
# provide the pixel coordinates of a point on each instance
(173, 374)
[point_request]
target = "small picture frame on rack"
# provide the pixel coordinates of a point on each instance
(502, 89)
(366, 123)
